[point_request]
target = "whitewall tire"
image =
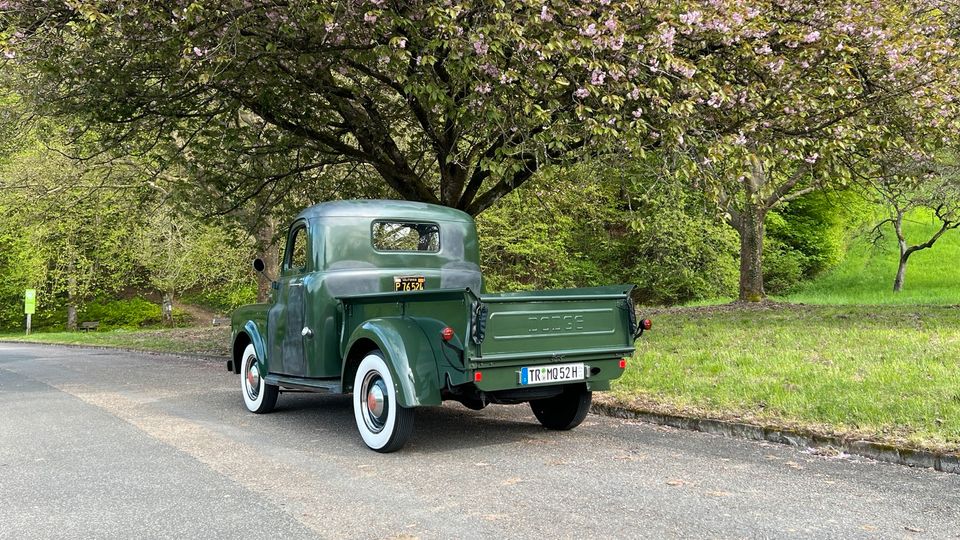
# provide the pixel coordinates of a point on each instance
(258, 396)
(384, 425)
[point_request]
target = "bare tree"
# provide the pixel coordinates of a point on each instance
(915, 183)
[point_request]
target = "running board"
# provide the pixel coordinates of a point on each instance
(332, 386)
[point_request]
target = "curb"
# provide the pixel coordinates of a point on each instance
(942, 462)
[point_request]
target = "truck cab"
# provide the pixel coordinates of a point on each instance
(384, 300)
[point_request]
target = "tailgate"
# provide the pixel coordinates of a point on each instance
(549, 324)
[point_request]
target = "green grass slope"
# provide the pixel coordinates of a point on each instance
(884, 373)
(866, 274)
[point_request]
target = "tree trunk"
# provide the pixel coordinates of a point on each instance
(71, 302)
(268, 253)
(751, 231)
(901, 271)
(166, 309)
(904, 252)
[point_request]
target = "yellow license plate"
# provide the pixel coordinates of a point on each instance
(408, 283)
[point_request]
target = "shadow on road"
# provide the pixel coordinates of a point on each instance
(437, 429)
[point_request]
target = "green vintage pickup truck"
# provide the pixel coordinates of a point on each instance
(385, 299)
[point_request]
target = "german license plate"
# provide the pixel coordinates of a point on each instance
(552, 374)
(408, 283)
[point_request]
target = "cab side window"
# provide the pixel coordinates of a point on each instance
(296, 260)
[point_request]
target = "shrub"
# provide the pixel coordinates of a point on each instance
(132, 313)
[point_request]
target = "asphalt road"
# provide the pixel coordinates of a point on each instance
(105, 444)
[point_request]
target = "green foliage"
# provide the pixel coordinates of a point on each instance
(582, 227)
(132, 313)
(223, 298)
(180, 253)
(21, 267)
(808, 236)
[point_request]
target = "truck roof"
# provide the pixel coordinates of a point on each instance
(382, 208)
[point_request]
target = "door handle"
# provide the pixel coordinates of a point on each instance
(296, 284)
(306, 332)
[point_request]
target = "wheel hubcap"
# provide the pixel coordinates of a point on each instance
(253, 378)
(375, 405)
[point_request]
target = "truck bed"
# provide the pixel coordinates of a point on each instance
(501, 334)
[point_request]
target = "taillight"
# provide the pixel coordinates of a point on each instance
(447, 333)
(647, 324)
(477, 376)
(623, 363)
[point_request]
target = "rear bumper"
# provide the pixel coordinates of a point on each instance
(506, 375)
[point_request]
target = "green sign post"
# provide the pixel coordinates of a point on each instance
(29, 305)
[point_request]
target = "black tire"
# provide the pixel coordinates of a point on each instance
(384, 425)
(258, 396)
(565, 411)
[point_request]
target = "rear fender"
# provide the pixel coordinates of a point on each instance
(407, 349)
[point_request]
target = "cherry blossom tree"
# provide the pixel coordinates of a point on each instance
(790, 90)
(450, 103)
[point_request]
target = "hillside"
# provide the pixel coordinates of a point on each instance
(865, 276)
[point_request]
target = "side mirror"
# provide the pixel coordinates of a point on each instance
(259, 266)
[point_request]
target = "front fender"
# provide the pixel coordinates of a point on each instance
(252, 331)
(409, 355)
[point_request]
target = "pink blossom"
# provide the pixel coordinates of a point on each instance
(691, 17)
(764, 49)
(812, 158)
(611, 25)
(846, 28)
(9, 54)
(483, 88)
(811, 37)
(667, 35)
(480, 47)
(637, 113)
(776, 66)
(597, 77)
(685, 70)
(370, 18)
(402, 43)
(545, 14)
(581, 92)
(590, 30)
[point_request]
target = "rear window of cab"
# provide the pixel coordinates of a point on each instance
(405, 236)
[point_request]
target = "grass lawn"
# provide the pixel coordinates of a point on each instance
(886, 373)
(209, 340)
